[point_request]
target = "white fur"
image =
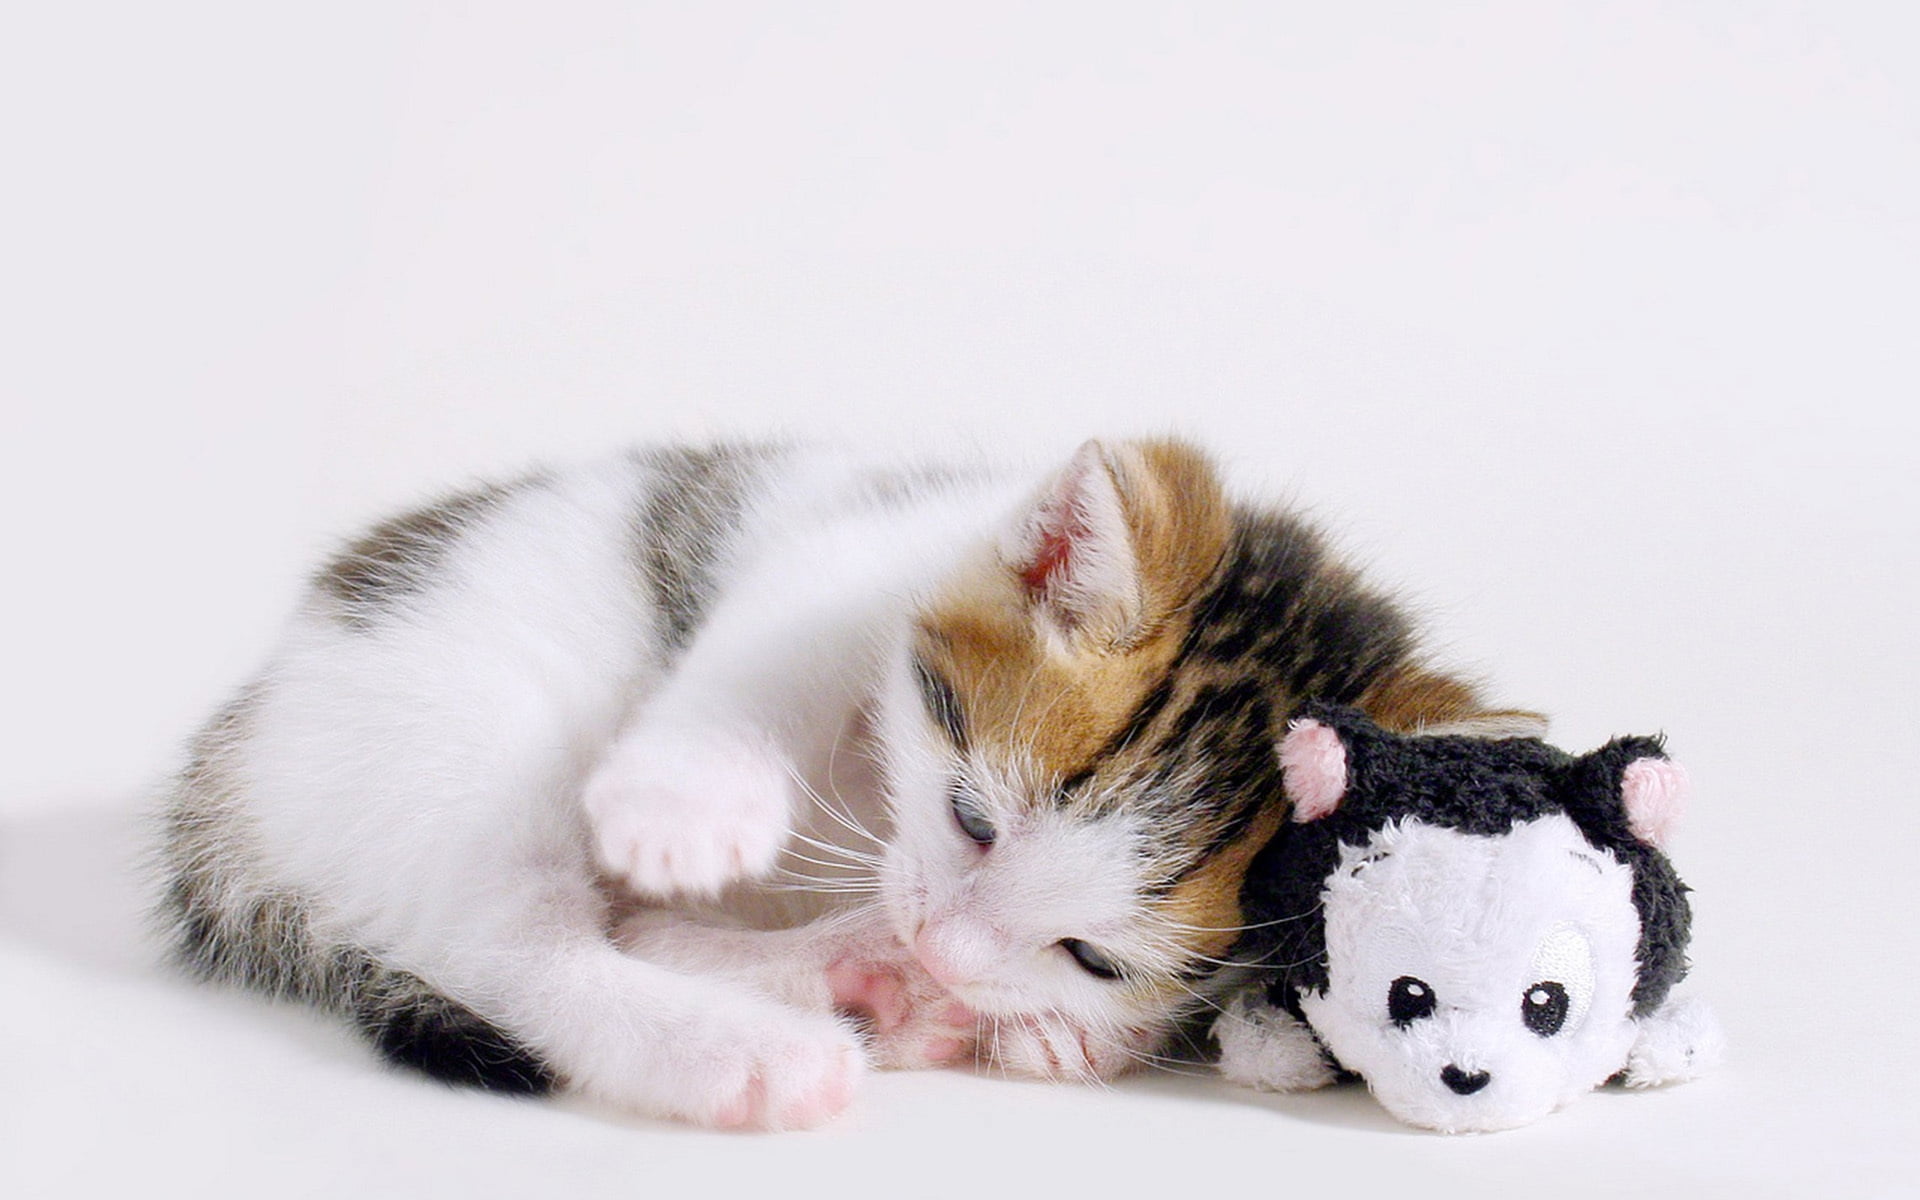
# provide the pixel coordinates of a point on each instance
(445, 785)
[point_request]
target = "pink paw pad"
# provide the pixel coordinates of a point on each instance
(875, 993)
(943, 1052)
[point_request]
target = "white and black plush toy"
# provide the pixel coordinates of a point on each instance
(1483, 929)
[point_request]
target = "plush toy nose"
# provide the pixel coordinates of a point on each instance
(1463, 1083)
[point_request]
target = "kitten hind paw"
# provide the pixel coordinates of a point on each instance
(687, 813)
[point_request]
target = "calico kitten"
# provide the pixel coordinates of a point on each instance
(626, 779)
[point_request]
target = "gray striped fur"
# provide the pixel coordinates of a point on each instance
(688, 520)
(400, 557)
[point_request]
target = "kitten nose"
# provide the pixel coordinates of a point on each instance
(1463, 1083)
(950, 952)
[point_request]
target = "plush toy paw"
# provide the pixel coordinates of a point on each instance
(1265, 1047)
(1678, 1041)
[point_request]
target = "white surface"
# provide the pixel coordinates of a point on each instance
(1592, 326)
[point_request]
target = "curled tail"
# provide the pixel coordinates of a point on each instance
(415, 1026)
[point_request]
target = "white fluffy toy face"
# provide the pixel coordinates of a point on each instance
(1478, 983)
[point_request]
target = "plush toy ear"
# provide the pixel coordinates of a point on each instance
(1313, 763)
(1654, 791)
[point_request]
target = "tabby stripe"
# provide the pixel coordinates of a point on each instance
(694, 503)
(397, 559)
(941, 701)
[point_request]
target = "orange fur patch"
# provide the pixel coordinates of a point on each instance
(1057, 700)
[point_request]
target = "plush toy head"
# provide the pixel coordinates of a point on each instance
(1482, 929)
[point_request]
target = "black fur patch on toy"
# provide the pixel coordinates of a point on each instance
(1474, 785)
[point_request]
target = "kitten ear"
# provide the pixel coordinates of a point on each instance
(1072, 551)
(1118, 539)
(1313, 763)
(1654, 790)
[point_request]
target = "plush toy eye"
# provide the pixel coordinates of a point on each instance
(1544, 1008)
(1408, 1000)
(1094, 961)
(967, 814)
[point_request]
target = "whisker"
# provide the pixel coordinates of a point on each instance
(790, 852)
(796, 882)
(1183, 927)
(855, 857)
(833, 812)
(1167, 1063)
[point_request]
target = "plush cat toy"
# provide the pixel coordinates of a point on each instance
(1483, 929)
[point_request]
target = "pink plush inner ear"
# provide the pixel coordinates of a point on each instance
(1313, 762)
(1655, 792)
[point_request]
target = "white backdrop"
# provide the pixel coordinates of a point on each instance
(1589, 326)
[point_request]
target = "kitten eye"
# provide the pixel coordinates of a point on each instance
(967, 815)
(1544, 1008)
(1093, 961)
(1408, 1000)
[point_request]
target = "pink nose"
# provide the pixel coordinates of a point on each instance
(935, 961)
(944, 950)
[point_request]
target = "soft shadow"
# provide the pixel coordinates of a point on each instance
(1342, 1105)
(72, 885)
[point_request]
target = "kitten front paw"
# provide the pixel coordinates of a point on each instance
(686, 812)
(1265, 1047)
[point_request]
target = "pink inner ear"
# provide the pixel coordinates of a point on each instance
(1655, 792)
(1313, 761)
(1061, 526)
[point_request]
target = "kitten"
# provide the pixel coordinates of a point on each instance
(636, 779)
